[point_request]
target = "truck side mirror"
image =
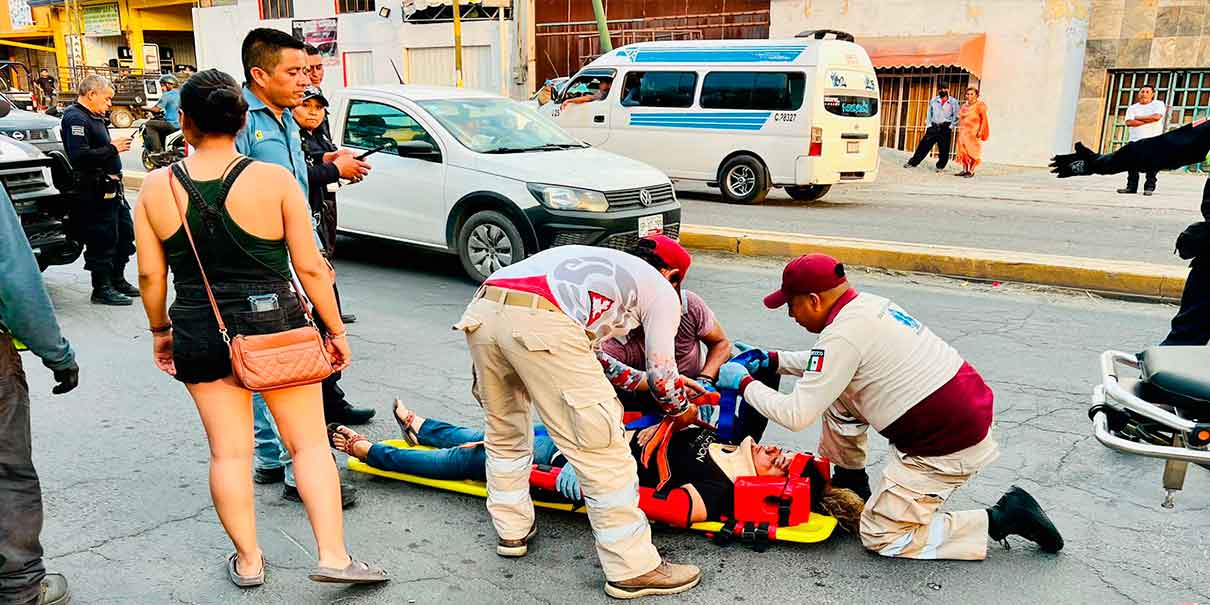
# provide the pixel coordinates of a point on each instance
(420, 150)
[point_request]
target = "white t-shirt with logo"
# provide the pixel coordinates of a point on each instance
(1152, 129)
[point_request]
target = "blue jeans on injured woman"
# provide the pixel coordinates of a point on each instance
(451, 461)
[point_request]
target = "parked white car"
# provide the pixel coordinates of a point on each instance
(487, 178)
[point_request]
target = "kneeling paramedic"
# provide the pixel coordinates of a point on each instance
(531, 330)
(874, 364)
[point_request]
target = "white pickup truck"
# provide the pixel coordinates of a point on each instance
(487, 178)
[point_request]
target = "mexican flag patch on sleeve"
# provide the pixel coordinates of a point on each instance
(815, 361)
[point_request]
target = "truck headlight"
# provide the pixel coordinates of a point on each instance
(556, 197)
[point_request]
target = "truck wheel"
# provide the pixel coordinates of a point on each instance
(121, 117)
(808, 193)
(487, 241)
(743, 180)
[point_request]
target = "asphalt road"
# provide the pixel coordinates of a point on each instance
(123, 462)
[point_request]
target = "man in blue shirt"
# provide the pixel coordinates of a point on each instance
(25, 313)
(942, 119)
(169, 109)
(276, 80)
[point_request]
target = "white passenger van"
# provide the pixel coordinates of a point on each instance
(741, 115)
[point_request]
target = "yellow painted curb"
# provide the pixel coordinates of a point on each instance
(1118, 277)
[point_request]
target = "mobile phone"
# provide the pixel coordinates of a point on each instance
(263, 302)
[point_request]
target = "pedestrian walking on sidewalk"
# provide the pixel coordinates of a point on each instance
(942, 118)
(1145, 119)
(248, 225)
(973, 130)
(25, 313)
(1183, 146)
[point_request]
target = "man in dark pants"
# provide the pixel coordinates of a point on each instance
(25, 313)
(327, 165)
(1169, 151)
(942, 119)
(101, 215)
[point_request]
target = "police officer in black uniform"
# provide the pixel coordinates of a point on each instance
(1186, 145)
(101, 214)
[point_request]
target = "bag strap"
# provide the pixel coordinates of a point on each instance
(176, 200)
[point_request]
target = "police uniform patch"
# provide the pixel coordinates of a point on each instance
(77, 131)
(260, 135)
(815, 361)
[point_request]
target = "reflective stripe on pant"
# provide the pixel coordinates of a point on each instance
(843, 440)
(902, 519)
(523, 355)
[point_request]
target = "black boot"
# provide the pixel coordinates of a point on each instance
(118, 280)
(853, 479)
(103, 292)
(346, 414)
(1018, 514)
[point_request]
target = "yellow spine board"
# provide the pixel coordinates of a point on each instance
(817, 529)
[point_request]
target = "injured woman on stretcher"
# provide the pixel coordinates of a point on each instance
(699, 461)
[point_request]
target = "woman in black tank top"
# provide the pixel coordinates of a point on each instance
(248, 238)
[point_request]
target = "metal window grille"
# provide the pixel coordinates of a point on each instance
(1185, 93)
(276, 9)
(905, 95)
(354, 6)
(445, 13)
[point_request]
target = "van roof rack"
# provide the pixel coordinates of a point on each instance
(819, 34)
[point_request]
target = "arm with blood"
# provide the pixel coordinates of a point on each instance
(660, 324)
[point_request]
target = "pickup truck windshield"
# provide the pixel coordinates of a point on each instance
(499, 126)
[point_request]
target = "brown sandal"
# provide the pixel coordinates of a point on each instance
(405, 425)
(350, 440)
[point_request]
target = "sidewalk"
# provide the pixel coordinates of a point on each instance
(1003, 208)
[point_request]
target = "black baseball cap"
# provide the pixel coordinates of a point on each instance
(313, 92)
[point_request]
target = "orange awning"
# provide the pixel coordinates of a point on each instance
(965, 51)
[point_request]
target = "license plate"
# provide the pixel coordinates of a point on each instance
(854, 147)
(651, 224)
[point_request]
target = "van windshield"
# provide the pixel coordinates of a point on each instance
(499, 126)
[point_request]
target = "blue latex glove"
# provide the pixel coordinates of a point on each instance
(568, 483)
(753, 358)
(730, 375)
(708, 414)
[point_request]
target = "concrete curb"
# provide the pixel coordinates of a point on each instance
(1160, 282)
(1106, 276)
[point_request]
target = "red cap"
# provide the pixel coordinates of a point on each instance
(671, 252)
(807, 274)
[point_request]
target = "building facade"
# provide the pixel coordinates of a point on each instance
(1025, 56)
(374, 42)
(1164, 43)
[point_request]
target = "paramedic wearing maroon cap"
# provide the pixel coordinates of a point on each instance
(876, 365)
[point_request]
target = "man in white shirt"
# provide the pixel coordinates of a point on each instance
(1146, 120)
(874, 365)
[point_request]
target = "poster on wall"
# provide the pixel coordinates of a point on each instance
(102, 20)
(320, 33)
(20, 14)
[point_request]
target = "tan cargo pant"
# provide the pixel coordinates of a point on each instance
(530, 354)
(902, 517)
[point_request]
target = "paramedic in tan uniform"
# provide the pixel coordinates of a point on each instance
(532, 330)
(876, 365)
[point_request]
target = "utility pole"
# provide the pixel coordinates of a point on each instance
(458, 42)
(602, 26)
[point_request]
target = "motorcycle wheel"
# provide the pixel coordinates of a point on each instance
(148, 163)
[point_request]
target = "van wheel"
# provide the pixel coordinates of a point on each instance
(743, 180)
(121, 117)
(808, 193)
(488, 241)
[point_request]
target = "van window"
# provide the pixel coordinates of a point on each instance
(659, 89)
(371, 125)
(851, 106)
(753, 90)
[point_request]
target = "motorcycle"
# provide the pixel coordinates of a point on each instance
(174, 149)
(1163, 413)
